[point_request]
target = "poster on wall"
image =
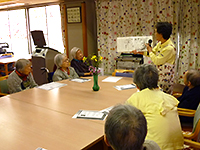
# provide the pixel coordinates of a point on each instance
(128, 44)
(73, 14)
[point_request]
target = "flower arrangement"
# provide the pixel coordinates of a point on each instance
(93, 62)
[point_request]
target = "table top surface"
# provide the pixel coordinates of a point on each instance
(75, 96)
(26, 126)
(40, 118)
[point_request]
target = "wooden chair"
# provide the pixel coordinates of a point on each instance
(177, 89)
(192, 139)
(3, 86)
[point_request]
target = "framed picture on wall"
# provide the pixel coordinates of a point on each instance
(73, 14)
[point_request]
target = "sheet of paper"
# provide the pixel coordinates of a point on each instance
(89, 114)
(39, 148)
(80, 80)
(50, 86)
(127, 44)
(107, 110)
(111, 79)
(125, 87)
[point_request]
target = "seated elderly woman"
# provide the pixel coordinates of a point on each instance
(159, 109)
(81, 68)
(21, 78)
(63, 71)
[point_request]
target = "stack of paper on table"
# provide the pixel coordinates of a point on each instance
(52, 85)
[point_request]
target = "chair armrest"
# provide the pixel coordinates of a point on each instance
(186, 112)
(188, 135)
(177, 94)
(192, 143)
(3, 94)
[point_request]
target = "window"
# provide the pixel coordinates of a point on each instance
(48, 20)
(18, 33)
(14, 31)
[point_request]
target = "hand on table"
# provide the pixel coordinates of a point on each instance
(87, 73)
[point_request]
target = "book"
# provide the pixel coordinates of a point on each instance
(125, 87)
(80, 80)
(89, 114)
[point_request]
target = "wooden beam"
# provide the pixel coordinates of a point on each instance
(66, 31)
(84, 28)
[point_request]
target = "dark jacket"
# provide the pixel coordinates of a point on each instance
(80, 67)
(190, 98)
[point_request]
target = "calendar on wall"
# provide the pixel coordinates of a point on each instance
(73, 14)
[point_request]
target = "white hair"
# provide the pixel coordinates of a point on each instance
(73, 51)
(58, 59)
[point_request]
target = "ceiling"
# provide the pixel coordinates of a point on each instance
(9, 3)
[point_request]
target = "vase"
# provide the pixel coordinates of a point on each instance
(95, 86)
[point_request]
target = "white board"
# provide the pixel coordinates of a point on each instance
(127, 44)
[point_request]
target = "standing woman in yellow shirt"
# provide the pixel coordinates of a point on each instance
(163, 55)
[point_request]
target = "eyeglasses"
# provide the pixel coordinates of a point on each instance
(66, 60)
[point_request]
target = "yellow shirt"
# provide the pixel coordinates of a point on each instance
(163, 53)
(160, 111)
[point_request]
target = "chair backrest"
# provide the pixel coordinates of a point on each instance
(3, 86)
(196, 118)
(123, 73)
(178, 88)
(50, 77)
(196, 125)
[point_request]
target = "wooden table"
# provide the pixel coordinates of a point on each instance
(25, 126)
(75, 96)
(49, 108)
(6, 61)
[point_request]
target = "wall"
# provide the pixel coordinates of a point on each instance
(75, 37)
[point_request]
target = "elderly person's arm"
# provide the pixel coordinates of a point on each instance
(14, 83)
(78, 72)
(73, 73)
(57, 76)
(33, 83)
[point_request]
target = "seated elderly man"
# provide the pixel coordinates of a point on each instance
(190, 97)
(159, 109)
(63, 71)
(126, 129)
(21, 78)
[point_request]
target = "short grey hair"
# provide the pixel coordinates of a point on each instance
(73, 51)
(58, 59)
(125, 128)
(193, 76)
(21, 64)
(146, 76)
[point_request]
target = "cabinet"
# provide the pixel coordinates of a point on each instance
(129, 61)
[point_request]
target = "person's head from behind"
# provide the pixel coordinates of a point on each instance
(76, 53)
(163, 30)
(61, 61)
(146, 76)
(192, 78)
(125, 128)
(23, 66)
